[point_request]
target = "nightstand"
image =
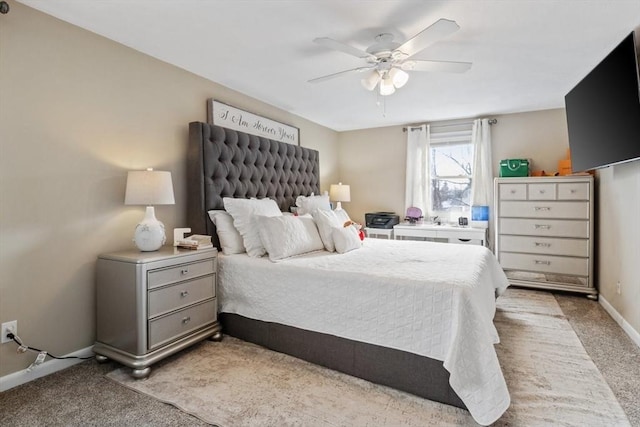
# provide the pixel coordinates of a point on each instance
(153, 304)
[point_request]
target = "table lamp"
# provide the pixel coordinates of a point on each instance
(340, 193)
(149, 188)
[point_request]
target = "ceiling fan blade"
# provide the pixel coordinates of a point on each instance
(433, 33)
(437, 66)
(345, 48)
(338, 74)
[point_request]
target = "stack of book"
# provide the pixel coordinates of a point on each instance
(197, 241)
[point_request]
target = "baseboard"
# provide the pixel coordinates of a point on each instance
(633, 334)
(48, 367)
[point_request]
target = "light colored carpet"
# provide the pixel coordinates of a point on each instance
(551, 379)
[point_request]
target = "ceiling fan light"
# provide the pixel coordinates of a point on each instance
(398, 77)
(371, 80)
(386, 86)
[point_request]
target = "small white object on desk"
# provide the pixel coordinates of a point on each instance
(178, 234)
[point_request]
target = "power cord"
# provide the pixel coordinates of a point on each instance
(42, 354)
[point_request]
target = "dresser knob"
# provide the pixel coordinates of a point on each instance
(184, 271)
(543, 262)
(184, 294)
(186, 320)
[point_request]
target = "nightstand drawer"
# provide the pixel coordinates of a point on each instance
(168, 328)
(542, 209)
(163, 300)
(182, 272)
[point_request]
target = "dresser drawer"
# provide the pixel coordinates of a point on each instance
(168, 328)
(542, 191)
(513, 191)
(544, 245)
(543, 209)
(544, 227)
(179, 273)
(163, 300)
(573, 191)
(545, 263)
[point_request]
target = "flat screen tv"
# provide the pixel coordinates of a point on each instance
(603, 111)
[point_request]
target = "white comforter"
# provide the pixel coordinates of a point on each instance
(432, 299)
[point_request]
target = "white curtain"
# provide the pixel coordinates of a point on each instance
(417, 182)
(482, 179)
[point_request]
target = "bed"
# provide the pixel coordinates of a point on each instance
(414, 316)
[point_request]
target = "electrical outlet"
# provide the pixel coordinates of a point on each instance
(9, 327)
(618, 289)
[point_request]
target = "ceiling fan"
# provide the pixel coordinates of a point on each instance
(388, 61)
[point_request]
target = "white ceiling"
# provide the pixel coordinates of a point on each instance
(526, 54)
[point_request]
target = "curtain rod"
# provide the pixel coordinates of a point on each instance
(416, 127)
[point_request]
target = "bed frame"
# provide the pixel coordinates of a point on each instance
(227, 163)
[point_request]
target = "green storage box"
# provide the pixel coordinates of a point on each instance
(514, 167)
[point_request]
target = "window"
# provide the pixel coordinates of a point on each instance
(451, 163)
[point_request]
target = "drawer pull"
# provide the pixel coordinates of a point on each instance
(543, 226)
(186, 320)
(545, 245)
(184, 271)
(543, 262)
(573, 191)
(541, 191)
(512, 191)
(542, 208)
(184, 294)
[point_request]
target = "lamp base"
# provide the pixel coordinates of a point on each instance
(149, 235)
(338, 206)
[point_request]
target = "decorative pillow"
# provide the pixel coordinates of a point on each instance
(308, 204)
(229, 237)
(286, 236)
(244, 212)
(346, 239)
(326, 221)
(342, 216)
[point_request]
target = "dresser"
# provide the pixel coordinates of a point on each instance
(153, 304)
(544, 232)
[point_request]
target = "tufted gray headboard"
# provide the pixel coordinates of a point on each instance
(227, 163)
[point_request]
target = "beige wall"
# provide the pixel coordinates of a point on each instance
(372, 162)
(76, 112)
(618, 195)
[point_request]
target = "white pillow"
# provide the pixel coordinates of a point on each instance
(342, 216)
(308, 204)
(346, 239)
(326, 221)
(244, 212)
(229, 237)
(286, 236)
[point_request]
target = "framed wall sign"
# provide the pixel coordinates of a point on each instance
(230, 117)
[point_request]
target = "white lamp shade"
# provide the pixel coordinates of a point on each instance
(149, 188)
(386, 86)
(371, 80)
(340, 193)
(398, 77)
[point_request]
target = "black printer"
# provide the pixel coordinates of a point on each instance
(381, 219)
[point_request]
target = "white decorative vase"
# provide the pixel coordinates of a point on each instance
(149, 235)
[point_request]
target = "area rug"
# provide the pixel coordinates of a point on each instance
(551, 379)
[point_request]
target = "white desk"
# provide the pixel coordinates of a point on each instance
(374, 232)
(453, 234)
